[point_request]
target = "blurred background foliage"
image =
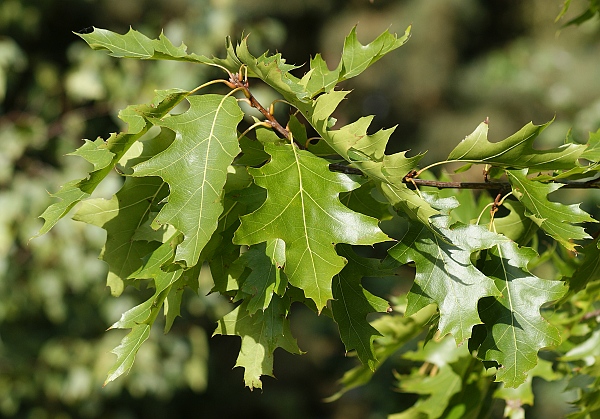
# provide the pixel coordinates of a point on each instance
(467, 60)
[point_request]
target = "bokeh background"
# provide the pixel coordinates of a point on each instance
(467, 60)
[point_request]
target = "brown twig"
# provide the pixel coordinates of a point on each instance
(590, 184)
(496, 205)
(591, 315)
(335, 167)
(239, 82)
(491, 185)
(461, 185)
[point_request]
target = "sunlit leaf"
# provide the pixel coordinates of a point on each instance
(516, 151)
(195, 167)
(445, 272)
(136, 45)
(127, 351)
(303, 210)
(116, 146)
(356, 57)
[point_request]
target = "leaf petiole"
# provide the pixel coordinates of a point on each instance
(255, 125)
(228, 84)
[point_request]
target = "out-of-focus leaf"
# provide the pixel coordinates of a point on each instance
(592, 151)
(586, 351)
(522, 395)
(589, 270)
(396, 331)
(450, 382)
(439, 387)
(564, 9)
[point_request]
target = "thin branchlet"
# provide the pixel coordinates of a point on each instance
(240, 81)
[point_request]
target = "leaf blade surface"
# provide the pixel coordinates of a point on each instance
(303, 209)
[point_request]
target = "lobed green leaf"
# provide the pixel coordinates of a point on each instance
(115, 147)
(445, 272)
(127, 350)
(261, 334)
(266, 260)
(303, 209)
(515, 329)
(136, 45)
(352, 303)
(195, 167)
(122, 217)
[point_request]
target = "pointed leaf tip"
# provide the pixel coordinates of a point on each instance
(516, 151)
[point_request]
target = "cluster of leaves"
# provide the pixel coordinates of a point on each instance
(288, 214)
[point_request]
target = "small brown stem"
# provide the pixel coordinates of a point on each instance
(459, 185)
(593, 184)
(243, 85)
(591, 315)
(497, 203)
(501, 186)
(335, 167)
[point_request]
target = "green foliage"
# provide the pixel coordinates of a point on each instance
(555, 219)
(445, 274)
(280, 220)
(590, 12)
(304, 211)
(516, 151)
